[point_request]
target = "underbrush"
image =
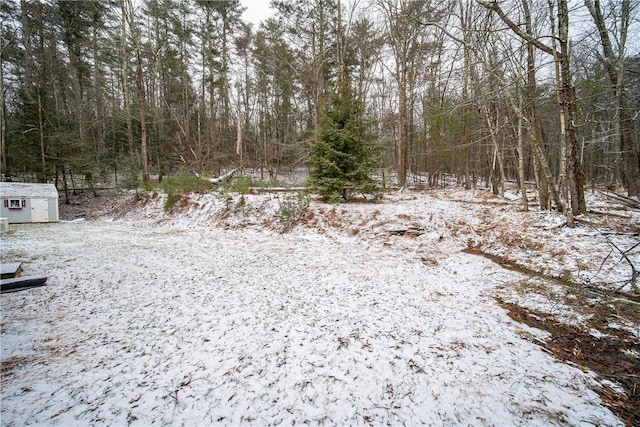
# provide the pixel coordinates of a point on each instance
(293, 208)
(243, 184)
(176, 186)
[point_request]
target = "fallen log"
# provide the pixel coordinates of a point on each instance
(627, 201)
(593, 211)
(222, 178)
(258, 190)
(411, 232)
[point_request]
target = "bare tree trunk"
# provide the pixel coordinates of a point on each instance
(239, 147)
(125, 86)
(465, 15)
(318, 49)
(402, 143)
(100, 109)
(78, 93)
(537, 135)
(3, 123)
(497, 187)
(614, 65)
(142, 104)
(563, 183)
(521, 174)
(29, 69)
(43, 154)
(576, 174)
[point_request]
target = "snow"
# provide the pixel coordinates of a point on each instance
(27, 190)
(212, 316)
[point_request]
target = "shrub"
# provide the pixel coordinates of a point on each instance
(176, 186)
(242, 184)
(293, 207)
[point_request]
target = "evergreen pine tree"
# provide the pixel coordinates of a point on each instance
(344, 155)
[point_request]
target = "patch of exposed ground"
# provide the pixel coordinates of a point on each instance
(614, 354)
(89, 205)
(629, 298)
(597, 343)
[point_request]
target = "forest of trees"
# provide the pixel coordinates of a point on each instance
(480, 92)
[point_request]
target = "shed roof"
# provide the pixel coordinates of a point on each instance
(27, 190)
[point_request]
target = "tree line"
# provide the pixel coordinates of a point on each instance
(544, 92)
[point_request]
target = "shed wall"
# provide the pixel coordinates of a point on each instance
(24, 214)
(24, 194)
(15, 216)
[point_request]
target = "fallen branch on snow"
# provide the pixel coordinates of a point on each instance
(258, 190)
(222, 178)
(411, 232)
(627, 201)
(593, 211)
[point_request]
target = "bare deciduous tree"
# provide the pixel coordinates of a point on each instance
(613, 60)
(576, 179)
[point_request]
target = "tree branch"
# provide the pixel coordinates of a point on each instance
(495, 7)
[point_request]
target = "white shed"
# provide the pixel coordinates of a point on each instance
(25, 202)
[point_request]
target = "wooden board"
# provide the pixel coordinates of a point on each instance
(10, 270)
(21, 283)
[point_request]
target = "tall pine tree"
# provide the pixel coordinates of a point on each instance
(344, 155)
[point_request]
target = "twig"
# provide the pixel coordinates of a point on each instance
(602, 264)
(633, 281)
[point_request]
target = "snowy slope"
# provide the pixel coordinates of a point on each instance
(212, 318)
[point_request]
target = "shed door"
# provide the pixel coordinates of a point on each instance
(39, 210)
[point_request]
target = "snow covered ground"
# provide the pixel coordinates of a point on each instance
(211, 316)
